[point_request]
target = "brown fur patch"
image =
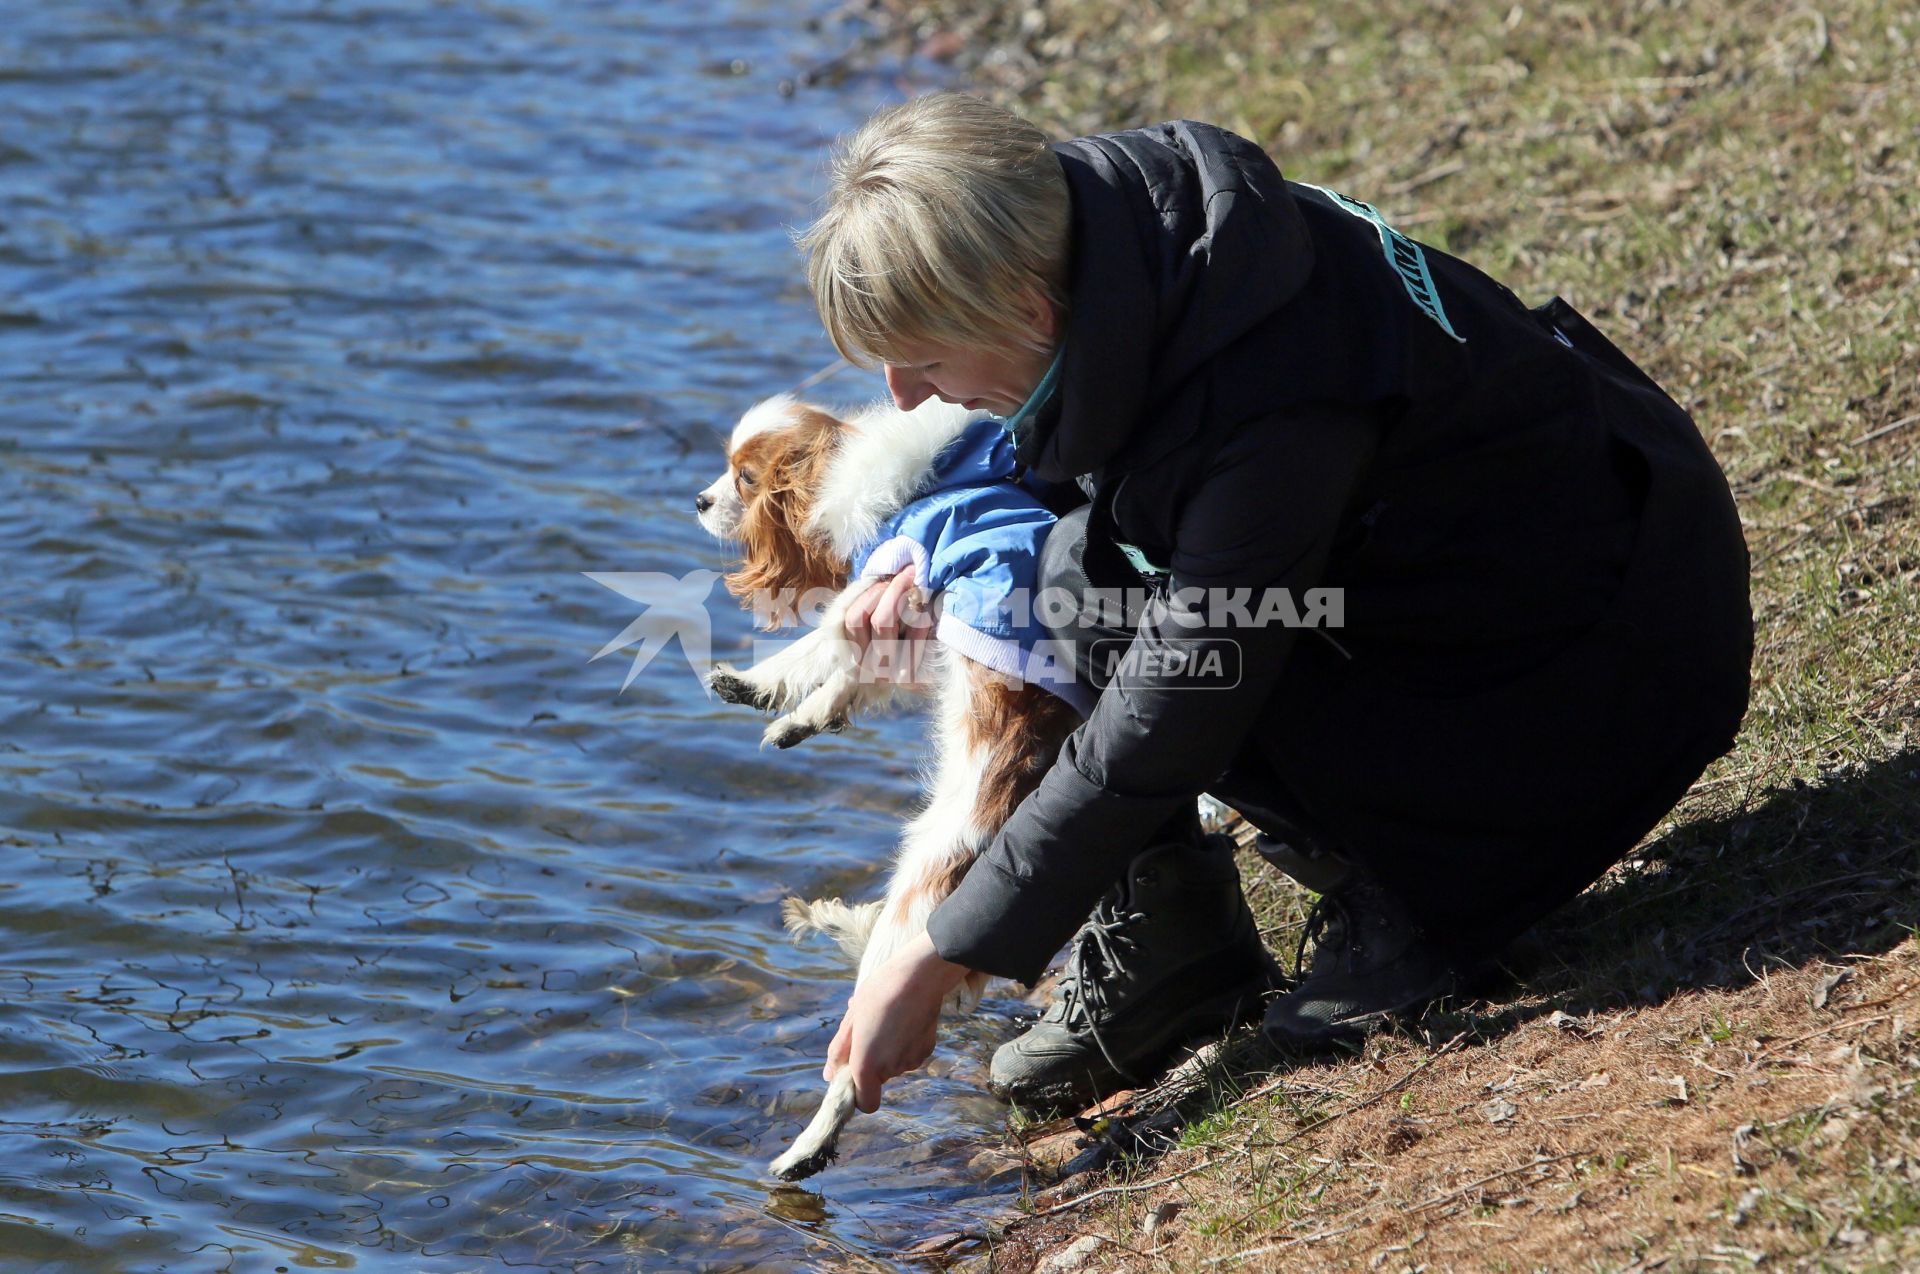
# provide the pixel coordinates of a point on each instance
(1021, 728)
(940, 880)
(787, 465)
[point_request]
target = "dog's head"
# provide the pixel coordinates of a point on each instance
(777, 464)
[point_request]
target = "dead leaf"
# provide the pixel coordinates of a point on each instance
(1573, 1025)
(1824, 987)
(1072, 1257)
(1500, 1110)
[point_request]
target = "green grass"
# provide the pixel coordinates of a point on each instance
(1206, 1129)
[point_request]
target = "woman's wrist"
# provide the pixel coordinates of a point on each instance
(930, 968)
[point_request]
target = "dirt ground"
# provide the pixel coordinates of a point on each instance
(1710, 1130)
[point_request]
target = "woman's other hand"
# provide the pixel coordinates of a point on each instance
(890, 1021)
(894, 612)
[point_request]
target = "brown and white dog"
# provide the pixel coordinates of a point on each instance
(804, 492)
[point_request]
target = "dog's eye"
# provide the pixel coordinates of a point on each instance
(746, 477)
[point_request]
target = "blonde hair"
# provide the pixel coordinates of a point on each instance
(945, 215)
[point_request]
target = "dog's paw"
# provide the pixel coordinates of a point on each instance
(797, 1167)
(731, 687)
(815, 1148)
(787, 732)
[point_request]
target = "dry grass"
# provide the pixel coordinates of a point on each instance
(1712, 1129)
(1733, 193)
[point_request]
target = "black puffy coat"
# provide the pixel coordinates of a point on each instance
(1546, 627)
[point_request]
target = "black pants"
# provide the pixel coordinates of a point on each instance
(1483, 811)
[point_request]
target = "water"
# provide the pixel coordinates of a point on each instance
(351, 918)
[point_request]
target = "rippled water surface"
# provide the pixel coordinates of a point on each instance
(352, 919)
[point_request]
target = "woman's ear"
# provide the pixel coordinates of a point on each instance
(1038, 316)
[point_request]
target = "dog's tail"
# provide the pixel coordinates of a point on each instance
(850, 927)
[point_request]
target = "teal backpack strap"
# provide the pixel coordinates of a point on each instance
(1407, 258)
(1138, 560)
(1101, 523)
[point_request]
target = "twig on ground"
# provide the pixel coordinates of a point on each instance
(1883, 431)
(1278, 1247)
(1091, 1195)
(1362, 1104)
(1814, 1035)
(1471, 1186)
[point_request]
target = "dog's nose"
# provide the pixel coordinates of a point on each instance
(702, 502)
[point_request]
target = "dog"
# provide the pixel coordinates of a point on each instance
(809, 496)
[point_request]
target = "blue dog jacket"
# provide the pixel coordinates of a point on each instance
(973, 536)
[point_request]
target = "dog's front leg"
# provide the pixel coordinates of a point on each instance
(826, 710)
(848, 685)
(858, 681)
(788, 676)
(845, 695)
(776, 682)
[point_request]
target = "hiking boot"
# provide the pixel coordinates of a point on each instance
(1370, 962)
(1170, 953)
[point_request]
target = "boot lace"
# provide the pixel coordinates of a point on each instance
(1327, 915)
(1095, 956)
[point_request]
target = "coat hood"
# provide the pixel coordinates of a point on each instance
(1185, 238)
(982, 453)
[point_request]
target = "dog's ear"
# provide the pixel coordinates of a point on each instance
(781, 553)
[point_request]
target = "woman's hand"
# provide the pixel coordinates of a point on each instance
(892, 611)
(890, 1021)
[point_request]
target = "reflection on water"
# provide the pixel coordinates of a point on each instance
(351, 919)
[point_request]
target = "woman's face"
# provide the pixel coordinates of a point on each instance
(999, 381)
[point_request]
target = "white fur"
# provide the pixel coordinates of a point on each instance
(878, 464)
(831, 918)
(814, 1146)
(718, 507)
(942, 833)
(813, 680)
(769, 413)
(872, 932)
(881, 460)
